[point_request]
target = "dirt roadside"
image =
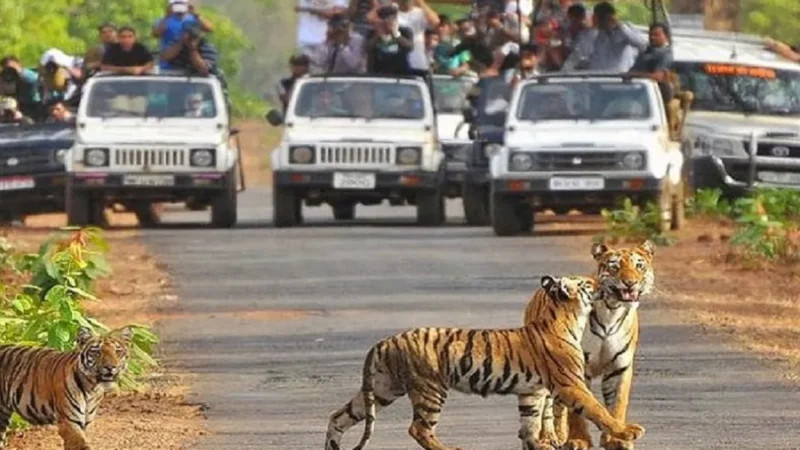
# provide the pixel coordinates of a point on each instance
(157, 418)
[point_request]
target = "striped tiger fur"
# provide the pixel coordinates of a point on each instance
(624, 275)
(426, 362)
(46, 386)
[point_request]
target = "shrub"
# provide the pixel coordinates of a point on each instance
(46, 308)
(630, 223)
(767, 225)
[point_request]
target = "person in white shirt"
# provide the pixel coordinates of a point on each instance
(312, 21)
(417, 16)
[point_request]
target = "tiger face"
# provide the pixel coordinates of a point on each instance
(580, 290)
(625, 274)
(104, 358)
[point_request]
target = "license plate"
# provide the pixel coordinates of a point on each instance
(577, 184)
(148, 180)
(353, 180)
(779, 177)
(16, 183)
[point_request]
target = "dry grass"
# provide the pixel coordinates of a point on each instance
(158, 418)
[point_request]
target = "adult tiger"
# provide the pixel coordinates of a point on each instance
(46, 386)
(426, 362)
(624, 275)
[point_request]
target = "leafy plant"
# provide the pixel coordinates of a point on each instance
(768, 224)
(708, 204)
(631, 223)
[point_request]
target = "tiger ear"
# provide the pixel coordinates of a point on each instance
(126, 334)
(552, 286)
(648, 248)
(598, 250)
(84, 336)
(548, 282)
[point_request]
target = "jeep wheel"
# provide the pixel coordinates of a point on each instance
(344, 211)
(147, 215)
(224, 206)
(82, 210)
(506, 217)
(525, 214)
(430, 208)
(476, 205)
(286, 207)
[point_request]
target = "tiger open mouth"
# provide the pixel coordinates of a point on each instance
(626, 295)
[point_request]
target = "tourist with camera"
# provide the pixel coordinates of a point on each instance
(192, 52)
(10, 113)
(342, 51)
(170, 28)
(21, 84)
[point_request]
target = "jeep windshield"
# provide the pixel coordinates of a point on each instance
(147, 97)
(450, 94)
(493, 101)
(595, 101)
(360, 99)
(741, 89)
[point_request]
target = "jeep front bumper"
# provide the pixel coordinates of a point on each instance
(32, 194)
(151, 186)
(384, 181)
(738, 176)
(544, 192)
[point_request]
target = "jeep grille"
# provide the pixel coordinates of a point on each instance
(20, 160)
(155, 158)
(580, 161)
(355, 155)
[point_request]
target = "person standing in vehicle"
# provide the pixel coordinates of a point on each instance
(299, 65)
(22, 84)
(418, 16)
(127, 56)
(171, 27)
(107, 35)
(616, 44)
(10, 114)
(313, 18)
(342, 51)
(389, 45)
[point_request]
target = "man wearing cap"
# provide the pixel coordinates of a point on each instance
(418, 16)
(10, 114)
(191, 52)
(389, 44)
(299, 66)
(59, 74)
(170, 28)
(342, 51)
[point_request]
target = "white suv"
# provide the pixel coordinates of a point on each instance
(583, 142)
(357, 139)
(150, 139)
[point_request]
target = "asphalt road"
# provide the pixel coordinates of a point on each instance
(272, 378)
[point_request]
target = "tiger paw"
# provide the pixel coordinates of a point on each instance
(631, 432)
(550, 438)
(577, 444)
(611, 443)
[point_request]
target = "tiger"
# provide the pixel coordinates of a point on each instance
(46, 386)
(426, 362)
(624, 275)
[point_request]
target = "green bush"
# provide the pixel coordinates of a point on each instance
(631, 223)
(45, 308)
(767, 224)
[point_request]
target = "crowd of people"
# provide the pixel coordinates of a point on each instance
(50, 92)
(498, 37)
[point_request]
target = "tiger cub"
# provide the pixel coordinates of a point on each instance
(426, 362)
(46, 386)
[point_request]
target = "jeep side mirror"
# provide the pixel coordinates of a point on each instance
(468, 113)
(274, 117)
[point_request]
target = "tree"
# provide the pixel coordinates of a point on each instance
(722, 15)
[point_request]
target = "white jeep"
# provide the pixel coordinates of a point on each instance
(150, 139)
(350, 139)
(584, 141)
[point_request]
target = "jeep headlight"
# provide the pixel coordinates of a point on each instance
(61, 155)
(408, 156)
(95, 157)
(722, 147)
(633, 161)
(520, 162)
(491, 149)
(202, 157)
(301, 155)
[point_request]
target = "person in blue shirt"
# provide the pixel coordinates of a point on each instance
(24, 83)
(170, 28)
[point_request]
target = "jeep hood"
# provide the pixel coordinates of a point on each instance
(739, 124)
(165, 132)
(37, 135)
(582, 137)
(317, 131)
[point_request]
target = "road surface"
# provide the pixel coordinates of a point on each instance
(276, 323)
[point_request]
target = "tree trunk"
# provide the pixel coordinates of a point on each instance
(686, 7)
(722, 15)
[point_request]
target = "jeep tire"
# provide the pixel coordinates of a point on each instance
(147, 214)
(430, 208)
(224, 206)
(344, 211)
(506, 217)
(476, 205)
(286, 207)
(82, 210)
